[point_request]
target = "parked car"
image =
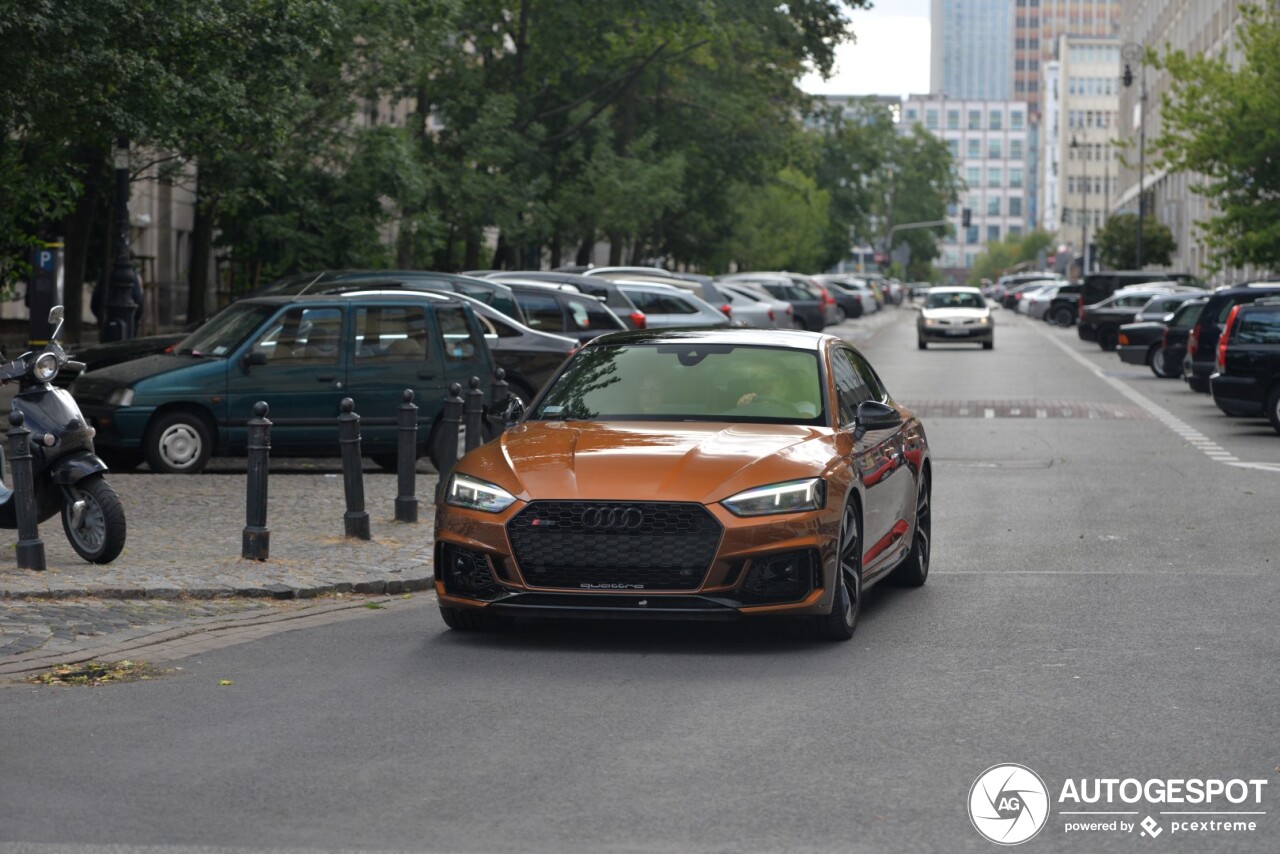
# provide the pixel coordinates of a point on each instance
(1035, 301)
(547, 308)
(302, 355)
(832, 312)
(1013, 295)
(1098, 286)
(1202, 342)
(757, 309)
(1064, 306)
(1102, 322)
(666, 306)
(716, 475)
(847, 297)
(957, 315)
(495, 294)
(596, 286)
(1247, 380)
(703, 287)
(1160, 344)
(1006, 283)
(806, 305)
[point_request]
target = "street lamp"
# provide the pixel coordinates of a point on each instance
(118, 323)
(1133, 52)
(1084, 208)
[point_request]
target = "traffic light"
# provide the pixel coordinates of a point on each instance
(966, 217)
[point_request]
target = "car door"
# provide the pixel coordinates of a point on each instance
(394, 347)
(877, 459)
(297, 366)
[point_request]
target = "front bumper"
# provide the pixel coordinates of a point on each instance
(118, 426)
(730, 588)
(956, 334)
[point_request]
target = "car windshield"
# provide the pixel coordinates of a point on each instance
(225, 330)
(1187, 316)
(954, 299)
(687, 381)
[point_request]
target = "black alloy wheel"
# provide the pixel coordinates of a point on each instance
(914, 571)
(1108, 339)
(1159, 364)
(846, 604)
(1063, 316)
(93, 520)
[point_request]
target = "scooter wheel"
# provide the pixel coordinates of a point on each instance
(97, 529)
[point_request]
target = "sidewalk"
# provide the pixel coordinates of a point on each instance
(184, 539)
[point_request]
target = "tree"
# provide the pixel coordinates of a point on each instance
(1219, 124)
(1118, 242)
(917, 187)
(1012, 253)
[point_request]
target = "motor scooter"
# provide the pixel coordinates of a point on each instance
(67, 474)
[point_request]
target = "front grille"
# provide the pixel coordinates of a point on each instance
(614, 545)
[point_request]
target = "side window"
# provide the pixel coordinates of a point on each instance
(1226, 309)
(497, 327)
(1260, 327)
(459, 341)
(851, 390)
(541, 311)
(391, 333)
(303, 336)
(675, 304)
(875, 388)
(590, 315)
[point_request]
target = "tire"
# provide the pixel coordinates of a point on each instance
(118, 459)
(987, 345)
(98, 534)
(1158, 366)
(914, 571)
(1273, 408)
(799, 322)
(846, 604)
(1108, 339)
(1063, 316)
(178, 443)
(841, 317)
(473, 620)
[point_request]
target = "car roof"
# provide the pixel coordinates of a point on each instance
(665, 287)
(954, 289)
(792, 339)
(369, 292)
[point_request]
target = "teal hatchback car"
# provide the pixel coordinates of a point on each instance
(302, 355)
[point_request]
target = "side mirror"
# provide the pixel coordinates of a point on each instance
(55, 320)
(253, 357)
(873, 415)
(514, 411)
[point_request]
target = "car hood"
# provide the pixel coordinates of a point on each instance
(99, 383)
(648, 461)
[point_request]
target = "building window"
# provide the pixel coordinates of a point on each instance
(1015, 206)
(971, 234)
(994, 176)
(1015, 120)
(1015, 149)
(993, 234)
(1015, 177)
(931, 119)
(912, 115)
(1015, 231)
(953, 119)
(975, 149)
(973, 176)
(993, 206)
(993, 149)
(953, 146)
(975, 120)
(994, 120)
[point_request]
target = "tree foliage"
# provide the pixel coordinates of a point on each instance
(1219, 124)
(1118, 242)
(1009, 255)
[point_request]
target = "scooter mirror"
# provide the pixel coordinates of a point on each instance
(55, 319)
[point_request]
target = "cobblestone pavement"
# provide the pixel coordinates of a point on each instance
(181, 571)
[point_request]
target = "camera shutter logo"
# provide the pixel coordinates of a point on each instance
(1008, 804)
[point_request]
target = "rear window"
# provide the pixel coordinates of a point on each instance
(590, 315)
(1258, 327)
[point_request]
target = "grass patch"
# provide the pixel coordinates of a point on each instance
(96, 673)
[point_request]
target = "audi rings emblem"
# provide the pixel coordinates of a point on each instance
(612, 519)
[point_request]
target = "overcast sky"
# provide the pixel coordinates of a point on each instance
(890, 57)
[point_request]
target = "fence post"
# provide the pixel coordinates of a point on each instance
(30, 546)
(407, 459)
(355, 521)
(256, 540)
(474, 415)
(446, 438)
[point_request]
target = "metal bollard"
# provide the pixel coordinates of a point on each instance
(446, 438)
(30, 546)
(256, 540)
(473, 414)
(500, 390)
(407, 459)
(356, 520)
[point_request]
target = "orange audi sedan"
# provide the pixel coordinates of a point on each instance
(694, 474)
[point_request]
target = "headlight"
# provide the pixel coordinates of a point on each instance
(120, 397)
(46, 367)
(986, 319)
(929, 321)
(790, 497)
(476, 494)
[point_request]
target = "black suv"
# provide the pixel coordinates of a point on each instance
(1202, 344)
(1099, 286)
(1102, 322)
(1160, 344)
(1247, 382)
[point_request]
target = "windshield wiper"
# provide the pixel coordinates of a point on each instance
(189, 351)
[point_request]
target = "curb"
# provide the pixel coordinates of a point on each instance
(279, 591)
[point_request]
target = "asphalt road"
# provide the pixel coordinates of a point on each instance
(1102, 604)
